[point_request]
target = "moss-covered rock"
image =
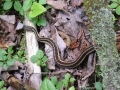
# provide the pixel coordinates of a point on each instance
(102, 33)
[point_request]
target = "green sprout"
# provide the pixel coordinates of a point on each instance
(6, 59)
(2, 85)
(115, 5)
(40, 59)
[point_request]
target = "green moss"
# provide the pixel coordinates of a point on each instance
(91, 6)
(101, 29)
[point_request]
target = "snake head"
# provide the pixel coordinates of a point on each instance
(29, 28)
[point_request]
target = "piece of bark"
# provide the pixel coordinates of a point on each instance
(32, 48)
(14, 82)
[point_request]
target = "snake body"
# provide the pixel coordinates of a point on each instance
(56, 52)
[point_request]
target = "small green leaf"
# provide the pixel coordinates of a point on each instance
(4, 88)
(36, 9)
(27, 4)
(114, 18)
(23, 59)
(10, 50)
(17, 6)
(8, 0)
(10, 62)
(19, 59)
(54, 80)
(9, 56)
(42, 22)
(1, 64)
(114, 0)
(113, 5)
(44, 59)
(16, 57)
(20, 52)
(5, 66)
(43, 64)
(1, 57)
(72, 80)
(1, 84)
(42, 2)
(4, 58)
(33, 59)
(29, 18)
(72, 88)
(2, 51)
(35, 20)
(65, 82)
(21, 11)
(7, 5)
(98, 85)
(118, 10)
(59, 85)
(67, 76)
(38, 62)
(39, 54)
(47, 85)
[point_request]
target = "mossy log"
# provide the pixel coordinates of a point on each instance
(102, 32)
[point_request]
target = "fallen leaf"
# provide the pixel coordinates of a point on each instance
(19, 26)
(75, 3)
(59, 4)
(8, 34)
(3, 44)
(8, 18)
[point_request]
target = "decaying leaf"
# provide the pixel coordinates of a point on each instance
(75, 3)
(8, 35)
(59, 4)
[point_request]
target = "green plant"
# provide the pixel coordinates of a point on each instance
(115, 5)
(40, 59)
(36, 14)
(2, 86)
(36, 11)
(98, 85)
(72, 88)
(98, 73)
(47, 85)
(20, 56)
(57, 85)
(6, 59)
(67, 79)
(15, 3)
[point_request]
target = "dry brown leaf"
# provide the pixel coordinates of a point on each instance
(75, 3)
(10, 88)
(59, 4)
(7, 26)
(8, 18)
(19, 26)
(3, 44)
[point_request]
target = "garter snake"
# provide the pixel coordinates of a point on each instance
(56, 52)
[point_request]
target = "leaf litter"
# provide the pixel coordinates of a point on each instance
(70, 18)
(67, 16)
